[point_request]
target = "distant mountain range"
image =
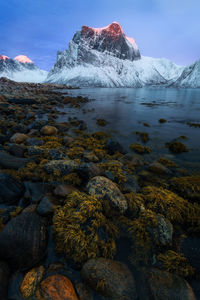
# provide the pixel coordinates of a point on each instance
(104, 57)
(21, 68)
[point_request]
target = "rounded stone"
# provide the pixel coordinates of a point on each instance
(23, 241)
(49, 130)
(106, 190)
(110, 278)
(56, 287)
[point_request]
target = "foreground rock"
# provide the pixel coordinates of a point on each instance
(30, 281)
(109, 278)
(11, 190)
(162, 285)
(23, 241)
(49, 130)
(18, 138)
(4, 278)
(64, 166)
(8, 161)
(106, 190)
(56, 287)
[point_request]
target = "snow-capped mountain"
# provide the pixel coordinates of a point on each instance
(106, 57)
(20, 69)
(190, 77)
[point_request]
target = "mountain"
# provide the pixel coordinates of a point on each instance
(190, 77)
(106, 57)
(20, 69)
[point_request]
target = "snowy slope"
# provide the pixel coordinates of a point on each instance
(106, 57)
(190, 77)
(21, 69)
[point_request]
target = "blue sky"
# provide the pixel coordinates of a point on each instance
(39, 28)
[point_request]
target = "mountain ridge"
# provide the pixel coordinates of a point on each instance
(21, 68)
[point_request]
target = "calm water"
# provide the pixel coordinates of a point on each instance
(126, 109)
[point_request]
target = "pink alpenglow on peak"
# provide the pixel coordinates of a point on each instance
(113, 28)
(4, 57)
(23, 59)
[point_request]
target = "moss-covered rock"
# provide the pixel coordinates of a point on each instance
(175, 263)
(188, 187)
(81, 230)
(138, 148)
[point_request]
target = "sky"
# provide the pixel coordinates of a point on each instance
(39, 28)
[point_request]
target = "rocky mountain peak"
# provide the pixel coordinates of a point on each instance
(110, 40)
(4, 57)
(23, 59)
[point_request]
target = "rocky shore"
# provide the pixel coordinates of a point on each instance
(82, 218)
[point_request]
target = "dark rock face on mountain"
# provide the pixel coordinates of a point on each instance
(111, 39)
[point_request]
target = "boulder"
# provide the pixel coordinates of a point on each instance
(49, 130)
(8, 161)
(162, 233)
(107, 191)
(162, 285)
(56, 287)
(23, 241)
(11, 190)
(16, 150)
(18, 138)
(30, 281)
(46, 206)
(62, 190)
(109, 278)
(64, 166)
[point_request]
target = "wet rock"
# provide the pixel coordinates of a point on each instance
(34, 142)
(109, 278)
(11, 190)
(106, 190)
(113, 146)
(56, 287)
(62, 190)
(18, 138)
(83, 292)
(88, 170)
(4, 279)
(35, 150)
(49, 130)
(30, 281)
(162, 233)
(64, 166)
(30, 209)
(8, 161)
(35, 191)
(23, 241)
(16, 150)
(158, 168)
(46, 206)
(56, 154)
(161, 285)
(90, 157)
